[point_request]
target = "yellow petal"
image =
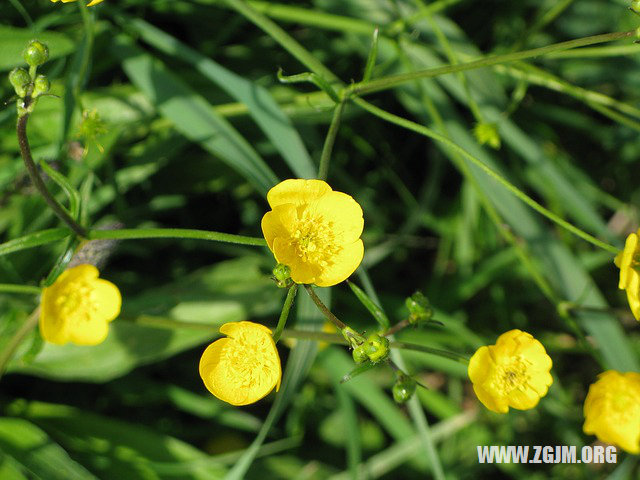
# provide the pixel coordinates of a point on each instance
(494, 403)
(343, 213)
(90, 332)
(94, 2)
(52, 328)
(107, 298)
(277, 222)
(342, 265)
(297, 191)
(480, 365)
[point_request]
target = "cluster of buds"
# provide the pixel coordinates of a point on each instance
(375, 349)
(27, 84)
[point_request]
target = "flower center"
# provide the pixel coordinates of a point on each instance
(250, 361)
(314, 240)
(510, 376)
(74, 302)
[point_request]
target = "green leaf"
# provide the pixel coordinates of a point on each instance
(34, 239)
(264, 110)
(116, 449)
(192, 115)
(14, 40)
(370, 305)
(71, 193)
(36, 453)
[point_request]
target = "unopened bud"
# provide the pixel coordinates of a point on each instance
(36, 53)
(403, 389)
(420, 310)
(20, 80)
(487, 133)
(41, 85)
(359, 355)
(282, 276)
(376, 347)
(635, 6)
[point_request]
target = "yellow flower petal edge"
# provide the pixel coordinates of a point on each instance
(512, 373)
(91, 4)
(243, 367)
(628, 261)
(314, 230)
(78, 307)
(612, 410)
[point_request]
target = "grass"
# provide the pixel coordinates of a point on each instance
(192, 126)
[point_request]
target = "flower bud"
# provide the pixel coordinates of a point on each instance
(420, 310)
(376, 347)
(36, 53)
(403, 389)
(41, 86)
(487, 133)
(359, 355)
(635, 6)
(282, 276)
(20, 80)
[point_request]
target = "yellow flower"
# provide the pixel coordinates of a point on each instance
(78, 307)
(512, 373)
(612, 410)
(314, 230)
(244, 367)
(628, 261)
(91, 4)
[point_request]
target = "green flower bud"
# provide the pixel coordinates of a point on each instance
(403, 389)
(420, 310)
(376, 347)
(487, 133)
(36, 53)
(41, 86)
(20, 80)
(359, 355)
(282, 276)
(635, 6)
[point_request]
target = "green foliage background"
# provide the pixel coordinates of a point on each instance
(198, 128)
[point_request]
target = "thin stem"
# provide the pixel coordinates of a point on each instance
(132, 234)
(408, 124)
(7, 354)
(282, 321)
(323, 308)
(397, 327)
(26, 289)
(385, 83)
(323, 169)
(435, 351)
(25, 151)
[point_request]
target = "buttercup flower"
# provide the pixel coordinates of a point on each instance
(314, 230)
(78, 307)
(612, 410)
(91, 4)
(244, 367)
(628, 261)
(512, 373)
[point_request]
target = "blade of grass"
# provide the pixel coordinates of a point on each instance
(192, 115)
(261, 106)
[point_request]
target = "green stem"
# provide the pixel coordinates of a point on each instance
(385, 83)
(26, 289)
(7, 354)
(282, 321)
(323, 308)
(323, 169)
(283, 38)
(25, 151)
(408, 124)
(132, 234)
(435, 351)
